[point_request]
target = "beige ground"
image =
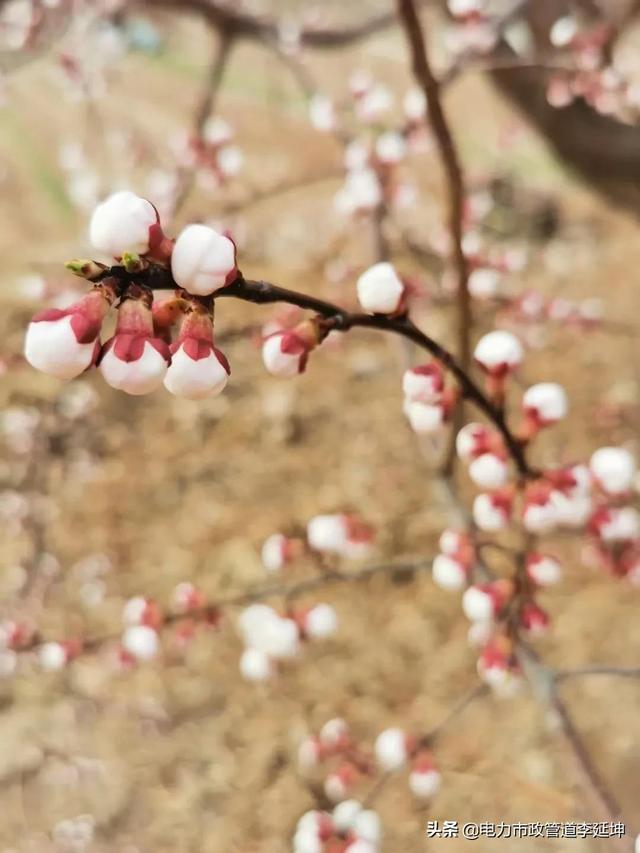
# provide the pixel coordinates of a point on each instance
(186, 756)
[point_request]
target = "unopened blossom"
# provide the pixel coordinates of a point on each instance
(134, 360)
(544, 404)
(320, 622)
(483, 602)
(312, 830)
(380, 289)
(492, 512)
(498, 353)
(334, 733)
(497, 668)
(65, 342)
(489, 471)
(424, 418)
(361, 192)
(310, 753)
(614, 469)
(616, 524)
(217, 131)
(230, 161)
(338, 784)
(277, 551)
(203, 260)
(424, 779)
(534, 619)
(286, 353)
(391, 749)
(484, 283)
(448, 572)
(424, 382)
(456, 543)
(53, 657)
(563, 31)
(142, 611)
(198, 368)
(415, 104)
(340, 534)
(571, 510)
(376, 101)
(539, 513)
(187, 597)
(141, 642)
(344, 815)
(322, 113)
(391, 148)
(474, 440)
(366, 827)
(255, 665)
(266, 630)
(124, 222)
(543, 570)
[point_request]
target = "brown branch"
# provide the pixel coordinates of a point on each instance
(599, 669)
(342, 320)
(450, 158)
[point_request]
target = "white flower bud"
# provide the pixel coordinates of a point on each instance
(333, 731)
(53, 348)
(202, 260)
(415, 104)
(345, 814)
(448, 573)
(488, 514)
(539, 518)
(391, 147)
(124, 222)
(327, 533)
(498, 352)
(380, 290)
(274, 552)
(546, 402)
(136, 376)
(366, 826)
(322, 113)
(391, 749)
(361, 192)
(255, 665)
(285, 354)
(543, 570)
(619, 524)
(423, 383)
(489, 471)
(197, 370)
(424, 784)
(484, 283)
(614, 469)
(563, 31)
(230, 160)
(478, 605)
(52, 657)
(376, 101)
(321, 622)
(141, 642)
(424, 418)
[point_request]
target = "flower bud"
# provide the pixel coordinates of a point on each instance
(320, 622)
(310, 753)
(423, 383)
(448, 573)
(616, 524)
(338, 784)
(614, 469)
(322, 113)
(141, 641)
(64, 342)
(424, 418)
(415, 105)
(498, 353)
(277, 551)
(344, 815)
(492, 512)
(198, 369)
(391, 148)
(456, 543)
(533, 619)
(142, 611)
(202, 260)
(285, 353)
(124, 222)
(391, 749)
(543, 570)
(380, 290)
(134, 360)
(53, 657)
(497, 668)
(361, 192)
(489, 471)
(483, 602)
(340, 534)
(484, 283)
(186, 598)
(424, 779)
(366, 827)
(539, 513)
(544, 404)
(474, 440)
(255, 665)
(334, 733)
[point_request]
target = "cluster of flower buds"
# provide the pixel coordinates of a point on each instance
(270, 637)
(427, 402)
(349, 828)
(140, 356)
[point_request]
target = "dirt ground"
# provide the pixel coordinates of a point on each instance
(187, 757)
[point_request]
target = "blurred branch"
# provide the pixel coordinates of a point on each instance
(599, 669)
(450, 158)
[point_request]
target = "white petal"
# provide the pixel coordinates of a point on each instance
(52, 347)
(195, 380)
(135, 377)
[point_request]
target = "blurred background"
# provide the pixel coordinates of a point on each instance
(105, 496)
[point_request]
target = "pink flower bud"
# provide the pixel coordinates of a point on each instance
(498, 353)
(285, 354)
(424, 779)
(14, 635)
(613, 524)
(614, 469)
(424, 418)
(424, 383)
(449, 573)
(134, 360)
(455, 543)
(391, 749)
(489, 471)
(497, 669)
(380, 290)
(202, 260)
(186, 598)
(141, 642)
(124, 222)
(492, 512)
(320, 622)
(545, 403)
(474, 440)
(543, 570)
(64, 342)
(338, 784)
(198, 369)
(142, 611)
(255, 665)
(533, 619)
(277, 551)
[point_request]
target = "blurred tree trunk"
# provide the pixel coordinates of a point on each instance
(602, 150)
